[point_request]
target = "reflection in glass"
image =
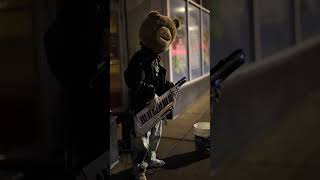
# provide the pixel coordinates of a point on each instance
(206, 42)
(194, 35)
(178, 48)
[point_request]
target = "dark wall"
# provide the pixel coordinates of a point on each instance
(56, 98)
(75, 48)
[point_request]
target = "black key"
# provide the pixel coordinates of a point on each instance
(142, 120)
(166, 100)
(145, 116)
(169, 99)
(149, 114)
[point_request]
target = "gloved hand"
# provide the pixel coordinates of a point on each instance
(154, 101)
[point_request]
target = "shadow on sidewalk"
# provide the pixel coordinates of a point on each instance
(181, 160)
(126, 174)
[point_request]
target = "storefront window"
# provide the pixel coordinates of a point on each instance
(194, 46)
(179, 46)
(190, 52)
(206, 42)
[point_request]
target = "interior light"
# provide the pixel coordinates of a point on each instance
(180, 10)
(193, 28)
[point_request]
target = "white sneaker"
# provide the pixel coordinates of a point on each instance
(156, 163)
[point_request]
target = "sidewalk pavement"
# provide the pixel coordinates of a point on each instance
(289, 151)
(177, 147)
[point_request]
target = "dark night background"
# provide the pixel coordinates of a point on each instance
(54, 98)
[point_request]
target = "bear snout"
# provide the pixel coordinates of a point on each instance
(165, 33)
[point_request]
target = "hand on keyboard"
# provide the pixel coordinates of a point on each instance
(154, 102)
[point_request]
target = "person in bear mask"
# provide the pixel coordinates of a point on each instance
(146, 79)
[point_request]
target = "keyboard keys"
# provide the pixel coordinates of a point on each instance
(166, 100)
(149, 114)
(144, 118)
(152, 112)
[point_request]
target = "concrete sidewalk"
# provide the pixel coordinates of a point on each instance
(288, 151)
(177, 147)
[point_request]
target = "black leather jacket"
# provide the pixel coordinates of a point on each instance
(142, 78)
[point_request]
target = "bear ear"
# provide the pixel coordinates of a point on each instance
(153, 14)
(177, 23)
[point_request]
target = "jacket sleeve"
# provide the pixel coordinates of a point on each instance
(134, 78)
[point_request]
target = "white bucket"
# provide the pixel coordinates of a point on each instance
(202, 129)
(201, 132)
